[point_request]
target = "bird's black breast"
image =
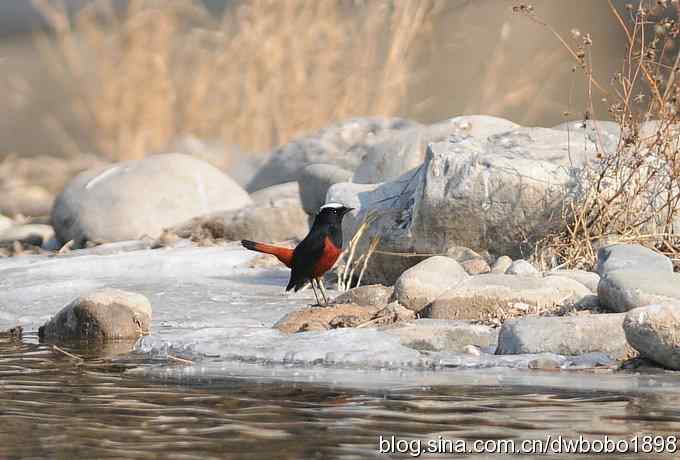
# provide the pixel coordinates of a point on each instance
(335, 234)
(305, 256)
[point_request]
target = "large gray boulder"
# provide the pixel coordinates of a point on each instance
(107, 314)
(630, 257)
(500, 193)
(654, 331)
(315, 180)
(491, 296)
(395, 154)
(605, 133)
(128, 200)
(424, 282)
(623, 290)
(564, 335)
(442, 335)
(337, 144)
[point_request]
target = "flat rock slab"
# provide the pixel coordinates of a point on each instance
(277, 196)
(104, 315)
(588, 279)
(262, 223)
(375, 295)
(489, 296)
(324, 318)
(424, 282)
(630, 257)
(654, 331)
(565, 335)
(623, 290)
(443, 335)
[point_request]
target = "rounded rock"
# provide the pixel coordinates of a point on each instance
(131, 199)
(424, 282)
(654, 331)
(104, 315)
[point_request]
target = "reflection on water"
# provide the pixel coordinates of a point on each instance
(52, 406)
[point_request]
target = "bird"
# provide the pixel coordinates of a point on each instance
(315, 254)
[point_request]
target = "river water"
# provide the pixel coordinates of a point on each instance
(53, 406)
(242, 389)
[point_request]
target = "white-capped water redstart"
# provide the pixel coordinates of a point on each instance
(316, 254)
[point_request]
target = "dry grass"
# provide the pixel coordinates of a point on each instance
(631, 193)
(350, 263)
(263, 72)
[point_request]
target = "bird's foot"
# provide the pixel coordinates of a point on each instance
(330, 303)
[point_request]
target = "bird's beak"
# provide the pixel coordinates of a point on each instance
(346, 210)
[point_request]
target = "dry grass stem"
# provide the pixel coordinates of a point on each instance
(179, 360)
(255, 76)
(631, 191)
(348, 266)
(66, 353)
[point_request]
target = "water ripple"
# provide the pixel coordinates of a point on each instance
(53, 407)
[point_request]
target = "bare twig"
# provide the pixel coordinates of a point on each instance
(66, 353)
(179, 360)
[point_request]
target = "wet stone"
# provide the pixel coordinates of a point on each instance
(103, 315)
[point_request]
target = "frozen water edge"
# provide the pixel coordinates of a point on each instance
(369, 379)
(206, 302)
(208, 306)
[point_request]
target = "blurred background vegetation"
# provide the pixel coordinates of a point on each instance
(121, 79)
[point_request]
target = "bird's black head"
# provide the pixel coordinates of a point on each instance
(332, 213)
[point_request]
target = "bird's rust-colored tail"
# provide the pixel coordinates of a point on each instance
(285, 255)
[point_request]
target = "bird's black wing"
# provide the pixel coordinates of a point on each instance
(305, 257)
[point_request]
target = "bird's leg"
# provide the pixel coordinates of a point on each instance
(315, 294)
(319, 281)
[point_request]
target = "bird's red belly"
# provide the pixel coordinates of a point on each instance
(328, 258)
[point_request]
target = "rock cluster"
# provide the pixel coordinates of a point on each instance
(460, 205)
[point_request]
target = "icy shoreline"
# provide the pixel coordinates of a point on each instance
(210, 307)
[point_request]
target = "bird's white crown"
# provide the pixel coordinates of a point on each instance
(332, 205)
